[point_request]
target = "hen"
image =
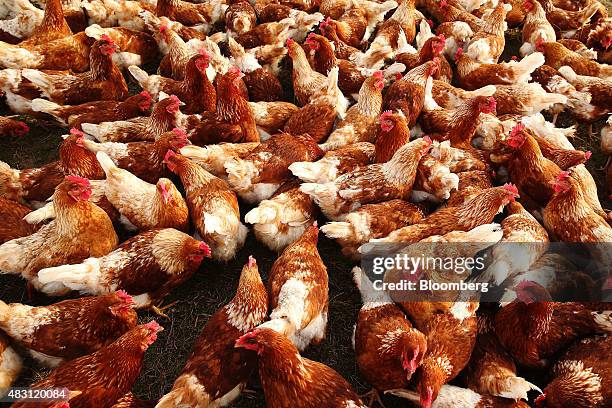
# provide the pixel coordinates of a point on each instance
(359, 124)
(12, 127)
(99, 382)
(298, 288)
(536, 27)
(35, 184)
(478, 210)
(473, 75)
(80, 230)
(259, 174)
(68, 329)
(280, 220)
(372, 221)
(533, 331)
(190, 14)
(487, 44)
(370, 184)
(408, 93)
(491, 369)
(334, 163)
(96, 111)
(103, 81)
(233, 119)
(393, 133)
(558, 55)
(213, 157)
(143, 205)
(213, 207)
(166, 115)
(147, 266)
(580, 377)
(216, 372)
(290, 380)
(195, 90)
(388, 349)
(143, 159)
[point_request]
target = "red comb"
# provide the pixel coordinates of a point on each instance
(252, 261)
(290, 42)
(385, 114)
(105, 37)
(123, 295)
(163, 28)
(540, 400)
(77, 132)
(174, 99)
(442, 38)
(587, 155)
(430, 22)
(428, 140)
(563, 175)
(379, 75)
(205, 248)
(459, 53)
(511, 188)
(78, 180)
(153, 326)
(519, 127)
(145, 95)
(169, 154)
(179, 132)
(203, 52)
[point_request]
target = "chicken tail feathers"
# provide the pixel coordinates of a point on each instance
(42, 214)
(45, 106)
(94, 130)
(106, 163)
(39, 79)
(527, 65)
(83, 276)
(604, 320)
(338, 229)
(139, 75)
(516, 388)
(260, 215)
(307, 171)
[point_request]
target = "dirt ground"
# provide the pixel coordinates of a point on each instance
(215, 284)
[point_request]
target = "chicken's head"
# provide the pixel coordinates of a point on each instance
(511, 193)
(437, 44)
(387, 122)
(427, 144)
(562, 182)
(539, 44)
(312, 42)
(80, 137)
(170, 159)
(517, 136)
(122, 304)
(414, 346)
(107, 45)
(197, 251)
(434, 372)
(528, 5)
(149, 333)
(176, 139)
(165, 189)
(203, 61)
(235, 76)
(529, 292)
(379, 77)
(458, 54)
(173, 104)
(78, 188)
(144, 101)
(20, 129)
(487, 104)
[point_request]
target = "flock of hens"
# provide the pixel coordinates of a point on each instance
(395, 119)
